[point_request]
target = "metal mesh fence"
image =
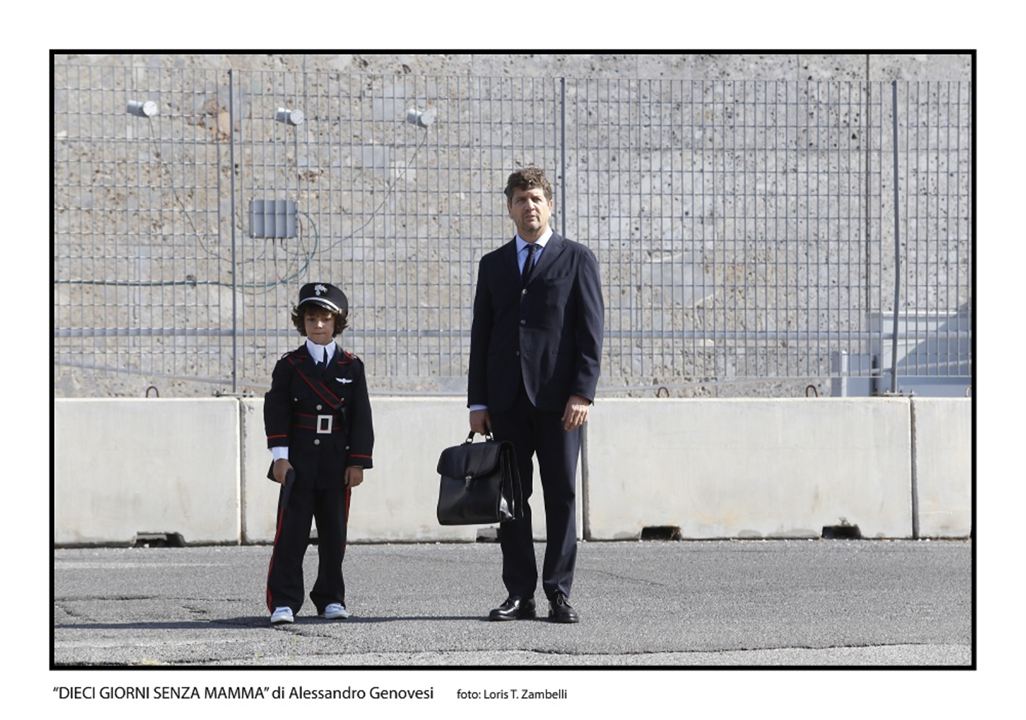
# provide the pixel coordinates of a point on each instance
(744, 229)
(934, 277)
(733, 223)
(141, 267)
(396, 213)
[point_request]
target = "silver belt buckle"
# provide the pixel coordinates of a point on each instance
(325, 424)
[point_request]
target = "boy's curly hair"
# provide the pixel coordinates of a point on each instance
(300, 312)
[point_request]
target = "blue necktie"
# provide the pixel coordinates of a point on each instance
(525, 275)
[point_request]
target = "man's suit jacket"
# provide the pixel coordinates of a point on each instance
(549, 333)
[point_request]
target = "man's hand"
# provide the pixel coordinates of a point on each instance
(280, 469)
(481, 422)
(576, 412)
(354, 475)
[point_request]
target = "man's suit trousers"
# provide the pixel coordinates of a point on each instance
(533, 431)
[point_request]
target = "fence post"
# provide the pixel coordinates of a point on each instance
(586, 530)
(231, 174)
(868, 129)
(562, 156)
(897, 240)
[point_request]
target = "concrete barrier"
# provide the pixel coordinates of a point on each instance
(714, 468)
(129, 466)
(749, 468)
(259, 495)
(943, 466)
(397, 499)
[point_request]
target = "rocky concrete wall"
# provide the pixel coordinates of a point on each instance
(144, 205)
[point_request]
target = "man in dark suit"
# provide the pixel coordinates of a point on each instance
(535, 345)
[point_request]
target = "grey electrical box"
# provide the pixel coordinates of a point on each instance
(272, 219)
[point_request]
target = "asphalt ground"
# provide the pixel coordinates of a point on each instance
(709, 603)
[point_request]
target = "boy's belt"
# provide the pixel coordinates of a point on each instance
(320, 424)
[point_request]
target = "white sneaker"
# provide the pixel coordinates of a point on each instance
(282, 615)
(335, 611)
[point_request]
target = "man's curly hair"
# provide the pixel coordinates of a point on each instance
(527, 179)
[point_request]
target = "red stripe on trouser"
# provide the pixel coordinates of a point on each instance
(345, 533)
(274, 549)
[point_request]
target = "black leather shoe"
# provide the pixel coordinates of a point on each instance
(515, 608)
(560, 610)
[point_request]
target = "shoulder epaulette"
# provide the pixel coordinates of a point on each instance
(292, 354)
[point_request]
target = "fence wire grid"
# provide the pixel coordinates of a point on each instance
(745, 230)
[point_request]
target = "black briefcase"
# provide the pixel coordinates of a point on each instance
(480, 483)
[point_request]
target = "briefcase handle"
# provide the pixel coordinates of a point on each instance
(470, 437)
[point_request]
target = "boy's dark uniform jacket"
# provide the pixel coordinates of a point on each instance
(302, 398)
(522, 332)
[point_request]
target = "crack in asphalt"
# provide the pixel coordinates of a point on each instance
(70, 613)
(112, 598)
(632, 579)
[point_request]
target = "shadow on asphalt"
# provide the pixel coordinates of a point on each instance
(259, 622)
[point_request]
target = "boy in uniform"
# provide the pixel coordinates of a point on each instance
(317, 416)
